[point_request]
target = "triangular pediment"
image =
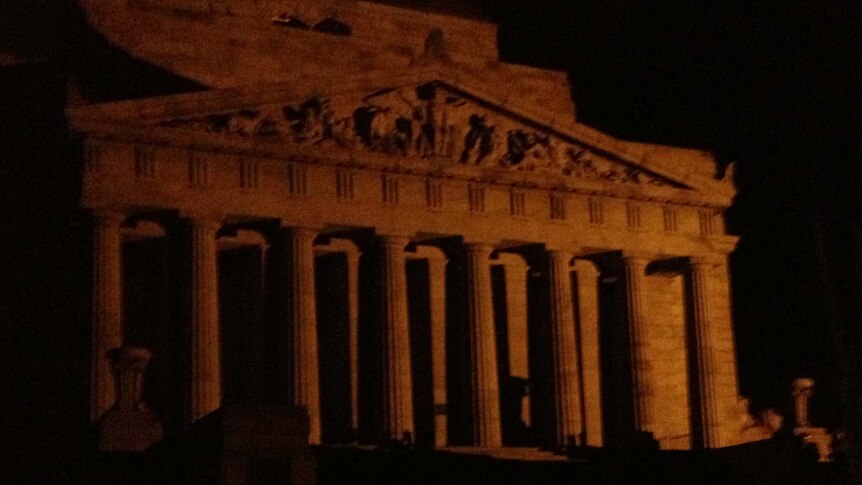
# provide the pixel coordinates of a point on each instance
(427, 120)
(424, 120)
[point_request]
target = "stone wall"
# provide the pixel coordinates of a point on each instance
(220, 45)
(669, 364)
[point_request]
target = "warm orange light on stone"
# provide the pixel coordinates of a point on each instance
(389, 136)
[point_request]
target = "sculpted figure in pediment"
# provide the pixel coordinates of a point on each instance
(424, 121)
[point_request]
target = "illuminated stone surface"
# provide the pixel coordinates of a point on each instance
(365, 121)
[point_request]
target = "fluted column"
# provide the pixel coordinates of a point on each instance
(483, 348)
(205, 339)
(590, 346)
(397, 374)
(644, 408)
(567, 393)
(302, 321)
(699, 272)
(107, 308)
(437, 297)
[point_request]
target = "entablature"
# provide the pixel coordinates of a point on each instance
(302, 191)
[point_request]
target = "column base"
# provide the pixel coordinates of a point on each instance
(820, 438)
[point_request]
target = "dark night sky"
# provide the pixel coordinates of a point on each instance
(771, 86)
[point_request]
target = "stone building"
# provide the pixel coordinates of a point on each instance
(369, 215)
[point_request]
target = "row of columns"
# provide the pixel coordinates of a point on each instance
(578, 413)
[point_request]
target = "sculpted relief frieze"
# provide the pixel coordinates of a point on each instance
(428, 121)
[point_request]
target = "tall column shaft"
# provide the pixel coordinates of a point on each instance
(644, 407)
(590, 346)
(206, 382)
(567, 392)
(107, 308)
(515, 270)
(483, 348)
(353, 334)
(437, 296)
(699, 271)
(398, 381)
(302, 315)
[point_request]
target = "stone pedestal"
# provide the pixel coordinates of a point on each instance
(241, 445)
(397, 378)
(129, 425)
(483, 348)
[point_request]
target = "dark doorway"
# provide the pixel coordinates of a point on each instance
(241, 317)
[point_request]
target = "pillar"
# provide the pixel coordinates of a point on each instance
(397, 375)
(699, 272)
(437, 297)
(353, 334)
(483, 350)
(515, 271)
(567, 393)
(107, 308)
(304, 386)
(644, 408)
(803, 389)
(203, 300)
(587, 280)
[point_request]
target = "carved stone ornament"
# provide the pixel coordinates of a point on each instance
(428, 121)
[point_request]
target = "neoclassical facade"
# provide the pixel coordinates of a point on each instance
(372, 217)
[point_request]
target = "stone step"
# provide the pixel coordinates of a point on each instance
(506, 453)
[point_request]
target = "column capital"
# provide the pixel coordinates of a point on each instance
(561, 254)
(569, 248)
(135, 357)
(341, 245)
(585, 265)
(109, 215)
(209, 221)
(393, 240)
(703, 262)
(431, 253)
(480, 247)
(512, 260)
(637, 257)
(301, 230)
